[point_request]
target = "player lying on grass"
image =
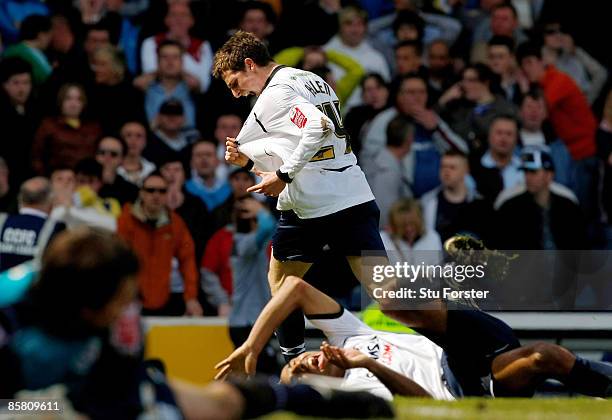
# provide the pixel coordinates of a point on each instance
(479, 355)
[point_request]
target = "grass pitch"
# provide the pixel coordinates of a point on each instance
(496, 409)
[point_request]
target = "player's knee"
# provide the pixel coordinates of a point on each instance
(296, 284)
(544, 357)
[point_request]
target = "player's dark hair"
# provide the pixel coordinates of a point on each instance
(399, 130)
(502, 41)
(81, 269)
(12, 66)
(34, 25)
(239, 47)
(528, 49)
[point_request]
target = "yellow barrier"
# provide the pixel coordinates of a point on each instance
(189, 347)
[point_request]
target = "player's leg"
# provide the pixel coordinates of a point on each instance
(520, 371)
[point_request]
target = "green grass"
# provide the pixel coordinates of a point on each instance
(496, 409)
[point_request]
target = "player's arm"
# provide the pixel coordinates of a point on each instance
(396, 383)
(295, 293)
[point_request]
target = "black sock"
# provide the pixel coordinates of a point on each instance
(291, 335)
(590, 378)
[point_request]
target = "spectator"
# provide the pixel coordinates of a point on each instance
(83, 206)
(259, 18)
(440, 73)
(470, 105)
(501, 60)
(295, 27)
(375, 98)
(12, 14)
(503, 22)
(604, 150)
(561, 51)
(453, 207)
(204, 183)
(110, 154)
(8, 199)
(537, 131)
(169, 82)
(191, 209)
(67, 138)
(572, 120)
(169, 135)
(241, 248)
(35, 35)
(408, 240)
(499, 167)
(227, 125)
(24, 236)
(544, 211)
(386, 172)
(195, 54)
(19, 117)
(63, 185)
(240, 180)
(134, 167)
(63, 39)
(408, 57)
(158, 235)
(112, 90)
(432, 136)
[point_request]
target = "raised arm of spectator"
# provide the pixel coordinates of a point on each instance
(597, 73)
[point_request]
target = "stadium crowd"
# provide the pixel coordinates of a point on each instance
(486, 117)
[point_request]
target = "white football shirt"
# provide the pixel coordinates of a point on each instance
(295, 126)
(411, 355)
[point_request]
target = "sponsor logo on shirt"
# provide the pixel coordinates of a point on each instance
(298, 118)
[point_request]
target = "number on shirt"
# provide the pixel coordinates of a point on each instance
(333, 113)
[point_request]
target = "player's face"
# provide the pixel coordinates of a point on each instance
(243, 82)
(307, 363)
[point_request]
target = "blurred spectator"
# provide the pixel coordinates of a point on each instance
(499, 166)
(169, 82)
(113, 90)
(572, 120)
(537, 131)
(432, 136)
(503, 22)
(204, 183)
(240, 180)
(408, 239)
(604, 150)
(317, 60)
(109, 154)
(501, 60)
(63, 39)
(440, 74)
(408, 57)
(19, 117)
(63, 185)
(134, 167)
(375, 98)
(295, 26)
(351, 40)
(83, 206)
(67, 138)
(12, 14)
(386, 172)
(453, 207)
(470, 105)
(561, 51)
(410, 24)
(158, 235)
(259, 18)
(241, 249)
(169, 134)
(24, 236)
(35, 35)
(550, 217)
(8, 198)
(227, 125)
(191, 209)
(197, 55)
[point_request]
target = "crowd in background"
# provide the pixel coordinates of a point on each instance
(483, 117)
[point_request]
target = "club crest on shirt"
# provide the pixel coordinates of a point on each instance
(297, 117)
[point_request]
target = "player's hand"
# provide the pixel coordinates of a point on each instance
(344, 358)
(242, 361)
(233, 155)
(193, 308)
(271, 185)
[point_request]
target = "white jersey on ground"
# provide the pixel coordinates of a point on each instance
(413, 356)
(295, 126)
